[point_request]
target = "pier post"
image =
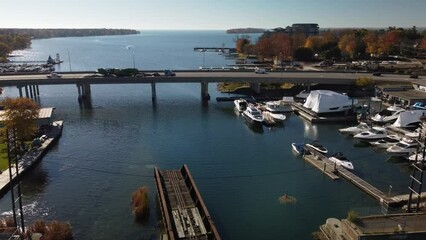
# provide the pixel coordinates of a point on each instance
(153, 91)
(34, 91)
(205, 96)
(79, 90)
(38, 90)
(20, 91)
(26, 91)
(31, 91)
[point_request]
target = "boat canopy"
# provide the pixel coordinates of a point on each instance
(323, 101)
(409, 117)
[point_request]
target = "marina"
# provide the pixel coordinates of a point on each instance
(109, 150)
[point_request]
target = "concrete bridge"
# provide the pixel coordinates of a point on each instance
(83, 80)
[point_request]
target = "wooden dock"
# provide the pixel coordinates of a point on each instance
(31, 158)
(185, 215)
(322, 162)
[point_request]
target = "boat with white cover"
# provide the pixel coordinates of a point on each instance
(375, 133)
(386, 142)
(404, 147)
(240, 104)
(315, 145)
(326, 101)
(253, 116)
(355, 129)
(409, 119)
(341, 161)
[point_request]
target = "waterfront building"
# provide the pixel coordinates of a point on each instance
(308, 29)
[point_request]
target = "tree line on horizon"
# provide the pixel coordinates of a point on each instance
(12, 39)
(335, 44)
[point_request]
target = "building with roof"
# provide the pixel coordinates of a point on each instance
(308, 29)
(44, 116)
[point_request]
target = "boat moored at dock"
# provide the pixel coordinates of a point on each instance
(240, 104)
(253, 116)
(340, 160)
(355, 129)
(375, 133)
(317, 146)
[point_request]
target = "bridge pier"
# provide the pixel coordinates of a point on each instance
(205, 96)
(31, 91)
(20, 91)
(153, 91)
(26, 92)
(255, 87)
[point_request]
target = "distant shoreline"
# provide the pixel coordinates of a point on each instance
(43, 33)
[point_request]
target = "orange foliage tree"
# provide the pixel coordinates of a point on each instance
(347, 44)
(241, 44)
(371, 40)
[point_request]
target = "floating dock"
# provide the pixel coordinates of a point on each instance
(184, 213)
(313, 117)
(333, 171)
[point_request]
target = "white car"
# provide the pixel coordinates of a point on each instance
(260, 70)
(54, 75)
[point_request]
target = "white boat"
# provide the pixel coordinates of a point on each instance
(403, 147)
(253, 116)
(341, 161)
(388, 115)
(317, 147)
(355, 129)
(409, 119)
(303, 94)
(278, 117)
(299, 148)
(375, 133)
(386, 142)
(417, 157)
(280, 106)
(326, 101)
(240, 104)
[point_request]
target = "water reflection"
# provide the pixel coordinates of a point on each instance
(310, 130)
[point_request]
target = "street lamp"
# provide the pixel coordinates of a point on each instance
(133, 55)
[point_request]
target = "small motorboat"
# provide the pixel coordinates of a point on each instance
(240, 104)
(278, 117)
(417, 157)
(355, 129)
(299, 148)
(315, 145)
(341, 161)
(375, 133)
(386, 142)
(253, 116)
(404, 147)
(388, 115)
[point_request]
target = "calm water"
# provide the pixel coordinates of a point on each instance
(109, 151)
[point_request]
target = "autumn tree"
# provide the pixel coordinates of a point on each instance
(264, 47)
(390, 41)
(241, 44)
(347, 44)
(21, 114)
(282, 46)
(371, 40)
(314, 43)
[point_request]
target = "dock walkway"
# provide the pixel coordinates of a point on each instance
(321, 162)
(185, 215)
(31, 158)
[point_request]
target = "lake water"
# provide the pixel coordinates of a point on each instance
(107, 152)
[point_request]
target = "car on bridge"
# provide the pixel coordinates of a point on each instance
(54, 75)
(169, 73)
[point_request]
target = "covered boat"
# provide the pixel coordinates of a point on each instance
(409, 119)
(326, 101)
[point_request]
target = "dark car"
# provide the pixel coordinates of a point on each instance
(156, 74)
(377, 74)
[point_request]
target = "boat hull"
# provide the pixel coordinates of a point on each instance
(252, 122)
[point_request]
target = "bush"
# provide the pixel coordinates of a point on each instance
(364, 82)
(353, 217)
(51, 231)
(140, 203)
(7, 225)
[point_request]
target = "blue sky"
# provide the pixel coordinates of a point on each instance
(210, 14)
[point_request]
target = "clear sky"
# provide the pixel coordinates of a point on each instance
(210, 14)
